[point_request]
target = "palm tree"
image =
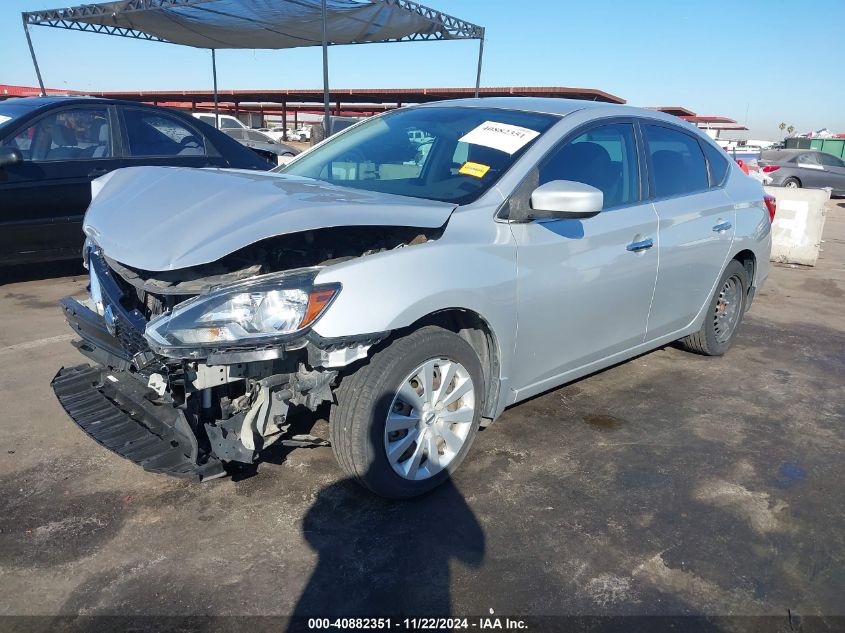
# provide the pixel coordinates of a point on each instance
(790, 129)
(782, 126)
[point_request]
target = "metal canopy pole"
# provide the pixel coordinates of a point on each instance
(214, 72)
(32, 53)
(327, 117)
(480, 55)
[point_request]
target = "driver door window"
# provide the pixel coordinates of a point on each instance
(71, 134)
(157, 134)
(604, 157)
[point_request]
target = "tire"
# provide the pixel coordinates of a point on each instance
(358, 422)
(791, 183)
(714, 338)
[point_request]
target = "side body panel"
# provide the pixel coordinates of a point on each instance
(753, 226)
(693, 253)
(582, 295)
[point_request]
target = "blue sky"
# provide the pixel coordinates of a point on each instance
(760, 61)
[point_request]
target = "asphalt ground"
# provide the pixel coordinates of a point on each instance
(669, 484)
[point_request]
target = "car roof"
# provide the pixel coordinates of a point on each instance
(527, 104)
(559, 107)
(38, 102)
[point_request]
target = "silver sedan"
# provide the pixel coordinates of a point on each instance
(419, 295)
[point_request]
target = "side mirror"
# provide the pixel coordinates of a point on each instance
(10, 156)
(565, 199)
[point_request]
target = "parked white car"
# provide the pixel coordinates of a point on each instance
(278, 134)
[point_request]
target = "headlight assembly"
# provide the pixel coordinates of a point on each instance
(258, 311)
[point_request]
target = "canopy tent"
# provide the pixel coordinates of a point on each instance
(270, 24)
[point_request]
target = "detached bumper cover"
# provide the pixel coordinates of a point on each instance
(97, 343)
(112, 407)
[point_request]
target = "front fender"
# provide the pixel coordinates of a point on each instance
(470, 268)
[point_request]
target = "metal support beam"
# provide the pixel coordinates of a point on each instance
(285, 120)
(214, 72)
(326, 113)
(480, 56)
(32, 53)
(95, 18)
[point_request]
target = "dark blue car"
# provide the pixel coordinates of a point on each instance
(51, 148)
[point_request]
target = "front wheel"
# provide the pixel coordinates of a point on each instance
(405, 421)
(724, 313)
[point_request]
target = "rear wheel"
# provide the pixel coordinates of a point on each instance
(723, 314)
(792, 183)
(405, 421)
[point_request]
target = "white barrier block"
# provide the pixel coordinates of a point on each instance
(799, 222)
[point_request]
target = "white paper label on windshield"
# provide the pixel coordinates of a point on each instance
(3, 119)
(500, 136)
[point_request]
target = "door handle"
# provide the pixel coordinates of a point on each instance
(642, 245)
(96, 173)
(722, 226)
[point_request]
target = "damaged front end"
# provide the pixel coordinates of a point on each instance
(200, 367)
(199, 319)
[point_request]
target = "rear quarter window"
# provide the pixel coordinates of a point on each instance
(717, 164)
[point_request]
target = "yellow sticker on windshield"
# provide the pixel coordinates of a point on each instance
(474, 169)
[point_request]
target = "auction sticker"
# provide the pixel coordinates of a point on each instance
(500, 136)
(474, 169)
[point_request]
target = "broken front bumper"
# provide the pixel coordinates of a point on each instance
(113, 408)
(187, 416)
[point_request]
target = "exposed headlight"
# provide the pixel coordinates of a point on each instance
(253, 312)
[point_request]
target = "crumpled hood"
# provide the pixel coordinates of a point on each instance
(167, 218)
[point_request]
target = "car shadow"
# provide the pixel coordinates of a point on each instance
(10, 274)
(378, 557)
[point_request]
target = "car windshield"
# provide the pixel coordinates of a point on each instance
(451, 154)
(14, 108)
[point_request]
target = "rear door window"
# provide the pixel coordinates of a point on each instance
(157, 134)
(677, 162)
(808, 160)
(829, 160)
(604, 157)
